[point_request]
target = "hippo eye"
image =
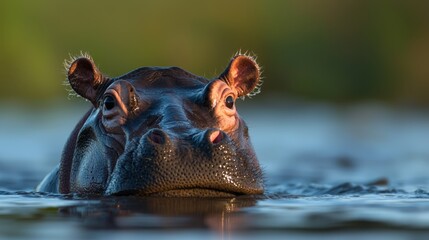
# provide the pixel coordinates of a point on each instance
(229, 102)
(109, 102)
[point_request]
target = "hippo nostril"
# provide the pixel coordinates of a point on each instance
(216, 136)
(157, 136)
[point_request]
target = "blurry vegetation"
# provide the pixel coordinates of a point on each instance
(336, 50)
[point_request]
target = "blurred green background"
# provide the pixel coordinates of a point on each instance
(336, 50)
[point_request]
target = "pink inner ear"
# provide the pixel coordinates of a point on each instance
(72, 68)
(244, 75)
(83, 69)
(234, 73)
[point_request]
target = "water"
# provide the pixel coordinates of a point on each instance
(350, 172)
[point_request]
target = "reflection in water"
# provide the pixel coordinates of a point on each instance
(288, 208)
(162, 213)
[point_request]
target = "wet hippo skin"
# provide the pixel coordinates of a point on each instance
(160, 131)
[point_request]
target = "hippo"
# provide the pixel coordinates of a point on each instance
(159, 131)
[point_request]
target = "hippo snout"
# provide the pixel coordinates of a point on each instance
(206, 163)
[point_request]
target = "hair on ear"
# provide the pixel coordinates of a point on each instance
(258, 87)
(243, 74)
(67, 64)
(84, 77)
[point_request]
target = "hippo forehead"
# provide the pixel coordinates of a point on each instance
(163, 78)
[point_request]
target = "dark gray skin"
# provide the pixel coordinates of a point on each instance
(160, 131)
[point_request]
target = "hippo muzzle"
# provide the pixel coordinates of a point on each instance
(205, 164)
(160, 132)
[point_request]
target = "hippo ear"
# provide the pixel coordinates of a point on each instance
(85, 78)
(242, 75)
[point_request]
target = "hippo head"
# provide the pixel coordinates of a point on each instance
(163, 132)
